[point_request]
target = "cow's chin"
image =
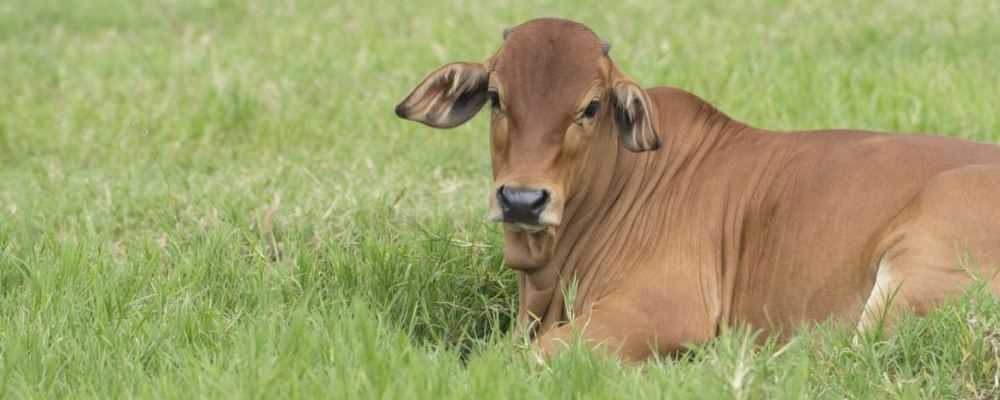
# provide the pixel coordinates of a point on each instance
(529, 247)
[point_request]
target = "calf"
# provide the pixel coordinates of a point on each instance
(672, 219)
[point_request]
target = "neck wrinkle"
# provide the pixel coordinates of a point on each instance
(589, 247)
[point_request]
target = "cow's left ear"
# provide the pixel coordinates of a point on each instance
(634, 116)
(447, 97)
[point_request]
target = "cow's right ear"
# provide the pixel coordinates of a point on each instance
(447, 97)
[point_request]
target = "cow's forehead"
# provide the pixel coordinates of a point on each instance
(549, 60)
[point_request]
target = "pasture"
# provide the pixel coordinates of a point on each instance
(213, 198)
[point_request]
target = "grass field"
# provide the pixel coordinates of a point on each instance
(213, 199)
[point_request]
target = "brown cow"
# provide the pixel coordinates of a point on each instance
(695, 220)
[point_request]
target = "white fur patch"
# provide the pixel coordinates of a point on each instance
(882, 292)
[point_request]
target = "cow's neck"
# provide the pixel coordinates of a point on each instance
(610, 209)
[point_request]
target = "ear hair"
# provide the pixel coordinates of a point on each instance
(605, 47)
(447, 97)
(634, 116)
(506, 32)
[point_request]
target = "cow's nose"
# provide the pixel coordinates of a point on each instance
(522, 205)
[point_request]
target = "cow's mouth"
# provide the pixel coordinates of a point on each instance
(530, 227)
(522, 227)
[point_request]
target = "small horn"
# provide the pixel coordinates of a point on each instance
(506, 32)
(605, 47)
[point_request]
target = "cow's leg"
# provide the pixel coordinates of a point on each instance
(945, 240)
(618, 331)
(629, 331)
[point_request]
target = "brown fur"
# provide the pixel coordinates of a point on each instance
(687, 220)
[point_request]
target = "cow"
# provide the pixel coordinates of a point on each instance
(671, 221)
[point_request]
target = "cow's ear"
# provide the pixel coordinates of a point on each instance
(447, 97)
(634, 116)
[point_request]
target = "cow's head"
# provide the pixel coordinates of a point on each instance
(552, 91)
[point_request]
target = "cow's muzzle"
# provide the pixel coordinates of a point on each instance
(522, 205)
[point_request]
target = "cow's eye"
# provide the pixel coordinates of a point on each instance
(494, 100)
(592, 109)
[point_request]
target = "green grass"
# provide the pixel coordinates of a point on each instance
(212, 198)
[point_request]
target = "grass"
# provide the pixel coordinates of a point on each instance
(213, 199)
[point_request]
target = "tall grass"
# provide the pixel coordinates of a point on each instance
(213, 198)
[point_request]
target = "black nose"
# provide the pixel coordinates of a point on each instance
(522, 205)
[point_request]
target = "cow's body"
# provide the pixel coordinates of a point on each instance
(727, 224)
(744, 226)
